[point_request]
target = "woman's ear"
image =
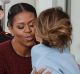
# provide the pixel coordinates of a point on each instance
(1, 14)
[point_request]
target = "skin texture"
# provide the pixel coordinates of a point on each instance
(41, 71)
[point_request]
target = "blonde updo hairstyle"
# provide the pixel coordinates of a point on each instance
(54, 28)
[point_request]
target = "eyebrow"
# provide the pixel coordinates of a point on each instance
(21, 23)
(31, 20)
(27, 22)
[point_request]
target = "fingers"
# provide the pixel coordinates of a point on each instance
(48, 72)
(34, 70)
(38, 72)
(41, 70)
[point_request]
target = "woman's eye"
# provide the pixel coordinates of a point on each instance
(31, 24)
(20, 27)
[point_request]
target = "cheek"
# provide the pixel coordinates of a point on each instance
(18, 33)
(33, 31)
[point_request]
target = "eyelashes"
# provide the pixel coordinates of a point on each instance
(22, 25)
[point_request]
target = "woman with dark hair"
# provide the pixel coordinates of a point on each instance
(15, 54)
(54, 29)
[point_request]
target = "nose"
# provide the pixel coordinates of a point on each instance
(27, 29)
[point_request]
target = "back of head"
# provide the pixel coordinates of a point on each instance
(18, 8)
(54, 27)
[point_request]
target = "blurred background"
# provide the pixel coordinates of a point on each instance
(72, 7)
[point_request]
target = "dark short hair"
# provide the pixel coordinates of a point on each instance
(18, 8)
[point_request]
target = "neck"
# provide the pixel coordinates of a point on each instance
(21, 49)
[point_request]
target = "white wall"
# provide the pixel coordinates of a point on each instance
(12, 2)
(44, 4)
(75, 17)
(61, 3)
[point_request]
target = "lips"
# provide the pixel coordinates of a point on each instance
(29, 38)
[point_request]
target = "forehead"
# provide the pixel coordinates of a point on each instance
(24, 16)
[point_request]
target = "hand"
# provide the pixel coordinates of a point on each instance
(40, 71)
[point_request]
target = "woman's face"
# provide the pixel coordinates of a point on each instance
(23, 28)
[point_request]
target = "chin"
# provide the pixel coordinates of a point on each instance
(30, 44)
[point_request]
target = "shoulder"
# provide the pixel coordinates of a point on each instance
(4, 37)
(40, 49)
(5, 43)
(37, 46)
(4, 50)
(4, 46)
(58, 64)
